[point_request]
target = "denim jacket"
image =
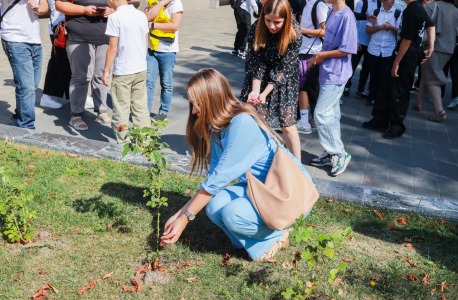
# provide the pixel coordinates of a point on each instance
(243, 145)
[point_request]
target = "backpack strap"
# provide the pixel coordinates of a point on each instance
(365, 6)
(397, 13)
(376, 12)
(7, 10)
(379, 4)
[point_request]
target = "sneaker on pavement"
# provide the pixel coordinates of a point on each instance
(46, 101)
(89, 102)
(453, 104)
(323, 160)
(242, 54)
(362, 95)
(235, 52)
(339, 163)
(301, 128)
(160, 117)
(346, 92)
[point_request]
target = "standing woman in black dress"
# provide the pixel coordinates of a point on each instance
(272, 70)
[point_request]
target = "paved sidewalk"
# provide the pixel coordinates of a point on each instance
(423, 162)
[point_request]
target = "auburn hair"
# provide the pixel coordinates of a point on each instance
(212, 95)
(282, 9)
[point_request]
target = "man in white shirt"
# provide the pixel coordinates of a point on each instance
(363, 7)
(22, 45)
(242, 14)
(161, 58)
(381, 46)
(312, 35)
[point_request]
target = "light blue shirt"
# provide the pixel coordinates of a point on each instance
(243, 145)
(363, 37)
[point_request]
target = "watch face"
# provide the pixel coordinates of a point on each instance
(191, 217)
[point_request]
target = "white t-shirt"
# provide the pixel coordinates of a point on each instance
(383, 42)
(131, 27)
(306, 22)
(20, 24)
(56, 16)
(174, 7)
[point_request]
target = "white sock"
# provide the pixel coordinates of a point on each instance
(305, 116)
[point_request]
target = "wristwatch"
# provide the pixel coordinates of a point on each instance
(190, 215)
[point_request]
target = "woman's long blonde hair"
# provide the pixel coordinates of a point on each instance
(282, 9)
(211, 93)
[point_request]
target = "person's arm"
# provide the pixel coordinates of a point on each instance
(152, 12)
(173, 25)
(38, 8)
(431, 33)
(254, 66)
(321, 56)
(405, 44)
(315, 32)
(373, 29)
(111, 54)
(71, 9)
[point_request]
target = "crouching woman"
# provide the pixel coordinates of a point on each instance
(227, 141)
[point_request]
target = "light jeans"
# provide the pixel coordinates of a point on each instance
(327, 118)
(25, 60)
(160, 63)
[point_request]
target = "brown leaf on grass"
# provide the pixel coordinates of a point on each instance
(76, 229)
(69, 179)
(311, 224)
(113, 189)
(84, 289)
(337, 282)
(261, 283)
(42, 272)
(125, 288)
(153, 287)
(425, 279)
(391, 228)
(193, 279)
(41, 294)
(356, 259)
(272, 260)
(176, 264)
(413, 277)
(374, 279)
(15, 277)
(186, 240)
(378, 214)
(227, 258)
(31, 167)
(401, 220)
(443, 297)
(347, 260)
(433, 291)
(141, 184)
(308, 284)
(110, 225)
(409, 245)
(108, 275)
(350, 238)
(71, 155)
(132, 289)
(369, 181)
(188, 191)
(399, 241)
(138, 286)
(442, 222)
(444, 284)
(91, 189)
(409, 261)
(115, 281)
(129, 187)
(329, 200)
(198, 264)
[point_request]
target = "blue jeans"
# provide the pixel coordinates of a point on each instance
(327, 118)
(161, 63)
(25, 61)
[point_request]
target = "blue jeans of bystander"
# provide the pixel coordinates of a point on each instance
(161, 63)
(327, 118)
(25, 60)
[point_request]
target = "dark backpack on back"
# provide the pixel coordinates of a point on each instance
(315, 19)
(366, 6)
(397, 13)
(236, 3)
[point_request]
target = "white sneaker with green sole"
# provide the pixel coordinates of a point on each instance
(339, 163)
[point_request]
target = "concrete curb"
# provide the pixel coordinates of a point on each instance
(363, 195)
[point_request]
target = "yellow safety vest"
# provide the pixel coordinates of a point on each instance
(158, 35)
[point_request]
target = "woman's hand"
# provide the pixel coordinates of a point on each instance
(91, 11)
(261, 99)
(106, 78)
(174, 230)
(253, 97)
(171, 220)
(108, 12)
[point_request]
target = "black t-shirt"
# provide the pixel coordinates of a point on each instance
(413, 25)
(87, 29)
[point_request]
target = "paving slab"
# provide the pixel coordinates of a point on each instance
(424, 162)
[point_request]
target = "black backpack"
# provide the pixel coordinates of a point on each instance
(314, 18)
(236, 3)
(366, 5)
(397, 13)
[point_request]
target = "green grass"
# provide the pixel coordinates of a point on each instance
(84, 248)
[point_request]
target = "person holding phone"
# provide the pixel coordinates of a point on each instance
(86, 48)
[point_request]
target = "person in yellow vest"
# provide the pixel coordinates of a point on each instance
(165, 20)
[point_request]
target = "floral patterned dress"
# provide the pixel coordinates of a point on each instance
(280, 109)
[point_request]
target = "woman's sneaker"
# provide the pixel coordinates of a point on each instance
(322, 160)
(301, 128)
(46, 101)
(339, 163)
(235, 52)
(453, 104)
(242, 54)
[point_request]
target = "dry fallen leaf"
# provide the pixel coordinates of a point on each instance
(350, 238)
(262, 283)
(413, 277)
(84, 289)
(311, 224)
(378, 214)
(113, 189)
(141, 184)
(369, 181)
(391, 228)
(442, 222)
(401, 220)
(443, 297)
(69, 179)
(194, 279)
(76, 229)
(308, 284)
(186, 240)
(409, 245)
(330, 200)
(272, 260)
(198, 263)
(226, 260)
(31, 167)
(139, 287)
(347, 260)
(15, 277)
(108, 275)
(71, 155)
(425, 279)
(188, 191)
(42, 272)
(337, 281)
(409, 261)
(399, 241)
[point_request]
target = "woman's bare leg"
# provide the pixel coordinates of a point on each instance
(292, 140)
(436, 95)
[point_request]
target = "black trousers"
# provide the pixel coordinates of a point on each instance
(364, 74)
(243, 20)
(377, 67)
(452, 66)
(311, 84)
(393, 95)
(58, 74)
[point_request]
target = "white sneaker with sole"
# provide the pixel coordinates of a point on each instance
(46, 101)
(89, 102)
(453, 104)
(301, 128)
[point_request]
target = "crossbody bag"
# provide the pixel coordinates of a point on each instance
(60, 35)
(7, 10)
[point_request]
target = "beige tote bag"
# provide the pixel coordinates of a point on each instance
(286, 194)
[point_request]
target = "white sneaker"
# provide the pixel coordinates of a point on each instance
(453, 104)
(46, 101)
(301, 128)
(89, 102)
